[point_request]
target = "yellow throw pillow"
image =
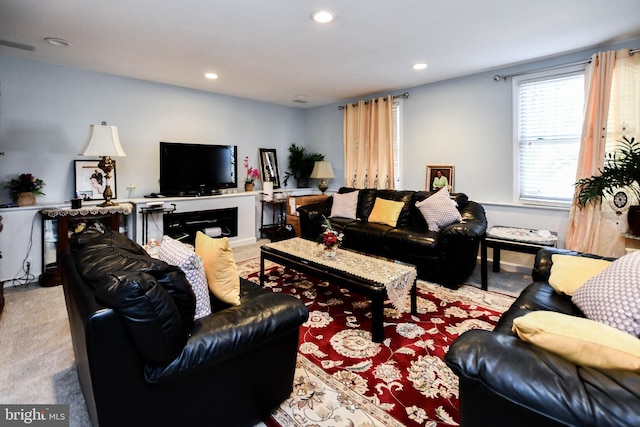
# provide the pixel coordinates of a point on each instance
(569, 272)
(582, 341)
(220, 267)
(386, 211)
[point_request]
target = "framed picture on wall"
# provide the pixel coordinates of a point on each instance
(269, 166)
(439, 176)
(91, 180)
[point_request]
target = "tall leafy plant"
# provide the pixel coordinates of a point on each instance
(621, 169)
(300, 163)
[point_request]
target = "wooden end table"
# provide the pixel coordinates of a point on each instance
(516, 239)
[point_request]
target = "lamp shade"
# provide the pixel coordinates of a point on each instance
(103, 141)
(322, 170)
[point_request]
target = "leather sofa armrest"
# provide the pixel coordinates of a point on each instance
(536, 380)
(543, 262)
(473, 224)
(230, 332)
(312, 216)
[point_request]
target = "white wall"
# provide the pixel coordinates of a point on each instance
(45, 113)
(466, 122)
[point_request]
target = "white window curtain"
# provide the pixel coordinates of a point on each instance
(368, 144)
(612, 111)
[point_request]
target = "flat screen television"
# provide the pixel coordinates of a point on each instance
(197, 169)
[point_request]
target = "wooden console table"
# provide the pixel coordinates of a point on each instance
(69, 222)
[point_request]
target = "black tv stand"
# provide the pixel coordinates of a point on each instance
(184, 225)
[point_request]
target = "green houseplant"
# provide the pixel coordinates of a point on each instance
(621, 170)
(301, 165)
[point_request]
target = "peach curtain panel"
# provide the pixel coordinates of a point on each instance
(612, 110)
(368, 144)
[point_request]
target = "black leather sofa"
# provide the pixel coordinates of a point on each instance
(506, 382)
(146, 362)
(447, 257)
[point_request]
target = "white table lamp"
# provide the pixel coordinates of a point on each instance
(322, 171)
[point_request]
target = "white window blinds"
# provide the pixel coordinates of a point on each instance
(549, 128)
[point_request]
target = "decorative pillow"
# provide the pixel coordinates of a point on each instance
(220, 267)
(386, 211)
(612, 296)
(345, 205)
(439, 210)
(569, 272)
(177, 253)
(582, 341)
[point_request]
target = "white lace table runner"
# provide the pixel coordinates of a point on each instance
(522, 235)
(122, 208)
(397, 278)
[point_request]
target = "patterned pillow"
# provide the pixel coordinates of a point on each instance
(439, 210)
(177, 253)
(345, 205)
(612, 297)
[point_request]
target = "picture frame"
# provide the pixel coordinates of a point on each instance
(448, 171)
(269, 166)
(91, 180)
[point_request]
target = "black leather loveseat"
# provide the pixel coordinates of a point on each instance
(447, 256)
(506, 382)
(148, 363)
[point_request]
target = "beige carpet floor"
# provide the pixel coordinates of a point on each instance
(36, 354)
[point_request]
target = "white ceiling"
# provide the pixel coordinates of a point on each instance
(271, 50)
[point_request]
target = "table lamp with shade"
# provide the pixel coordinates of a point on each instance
(105, 143)
(323, 171)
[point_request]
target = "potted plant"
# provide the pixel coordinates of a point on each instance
(252, 175)
(621, 170)
(301, 165)
(24, 188)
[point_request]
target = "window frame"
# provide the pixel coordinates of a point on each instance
(516, 82)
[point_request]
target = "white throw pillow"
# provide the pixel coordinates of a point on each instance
(182, 256)
(345, 205)
(439, 210)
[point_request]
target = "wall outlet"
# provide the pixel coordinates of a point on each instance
(28, 263)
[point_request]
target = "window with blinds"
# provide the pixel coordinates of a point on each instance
(549, 112)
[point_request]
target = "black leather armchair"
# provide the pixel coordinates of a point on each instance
(230, 368)
(506, 382)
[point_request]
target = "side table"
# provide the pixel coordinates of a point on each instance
(516, 239)
(69, 222)
(276, 230)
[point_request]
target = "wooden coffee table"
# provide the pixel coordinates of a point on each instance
(374, 277)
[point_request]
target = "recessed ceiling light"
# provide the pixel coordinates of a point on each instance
(54, 41)
(323, 16)
(419, 66)
(211, 76)
(301, 99)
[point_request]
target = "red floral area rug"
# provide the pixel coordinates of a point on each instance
(344, 378)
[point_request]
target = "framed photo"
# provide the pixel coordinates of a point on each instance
(91, 180)
(269, 166)
(439, 176)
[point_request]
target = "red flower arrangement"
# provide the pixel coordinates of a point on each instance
(330, 239)
(252, 174)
